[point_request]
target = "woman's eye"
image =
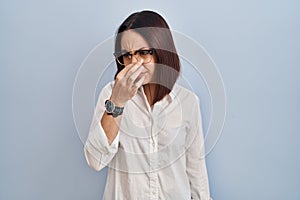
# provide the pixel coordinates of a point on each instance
(144, 52)
(127, 55)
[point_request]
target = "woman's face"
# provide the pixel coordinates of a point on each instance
(132, 41)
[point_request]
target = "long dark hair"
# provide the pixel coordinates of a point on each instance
(156, 32)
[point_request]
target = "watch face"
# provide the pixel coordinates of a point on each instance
(109, 106)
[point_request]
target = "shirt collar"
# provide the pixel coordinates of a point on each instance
(170, 96)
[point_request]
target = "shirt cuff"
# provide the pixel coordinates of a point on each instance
(98, 139)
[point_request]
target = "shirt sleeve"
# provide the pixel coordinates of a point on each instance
(98, 152)
(195, 156)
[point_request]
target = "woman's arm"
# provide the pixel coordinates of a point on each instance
(125, 88)
(103, 139)
(111, 125)
(102, 142)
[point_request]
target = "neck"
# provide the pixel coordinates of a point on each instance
(149, 90)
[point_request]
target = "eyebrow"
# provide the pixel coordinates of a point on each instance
(124, 50)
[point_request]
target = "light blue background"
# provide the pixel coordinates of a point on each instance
(254, 43)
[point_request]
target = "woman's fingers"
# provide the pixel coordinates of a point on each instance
(139, 82)
(124, 71)
(132, 78)
(133, 68)
(129, 69)
(129, 81)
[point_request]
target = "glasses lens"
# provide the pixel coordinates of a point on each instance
(146, 55)
(126, 57)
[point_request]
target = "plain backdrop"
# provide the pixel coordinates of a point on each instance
(255, 45)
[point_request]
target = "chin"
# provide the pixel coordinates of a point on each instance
(146, 81)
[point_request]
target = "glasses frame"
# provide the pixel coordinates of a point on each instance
(119, 54)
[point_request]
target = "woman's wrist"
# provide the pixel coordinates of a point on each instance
(117, 102)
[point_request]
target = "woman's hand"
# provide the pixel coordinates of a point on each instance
(127, 84)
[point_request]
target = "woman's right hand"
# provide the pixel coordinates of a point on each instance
(126, 83)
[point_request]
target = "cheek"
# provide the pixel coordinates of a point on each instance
(150, 68)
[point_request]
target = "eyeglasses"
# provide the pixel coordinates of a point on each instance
(124, 57)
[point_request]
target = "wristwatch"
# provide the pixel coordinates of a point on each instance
(113, 110)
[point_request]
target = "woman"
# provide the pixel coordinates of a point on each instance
(146, 127)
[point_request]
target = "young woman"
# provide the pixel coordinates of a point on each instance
(146, 127)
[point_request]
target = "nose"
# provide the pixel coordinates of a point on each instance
(134, 58)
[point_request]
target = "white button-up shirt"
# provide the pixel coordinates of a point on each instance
(158, 152)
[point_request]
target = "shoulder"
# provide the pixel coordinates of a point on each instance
(184, 94)
(188, 101)
(106, 91)
(108, 87)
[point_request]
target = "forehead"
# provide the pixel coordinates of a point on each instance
(131, 40)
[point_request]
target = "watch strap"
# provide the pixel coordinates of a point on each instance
(118, 111)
